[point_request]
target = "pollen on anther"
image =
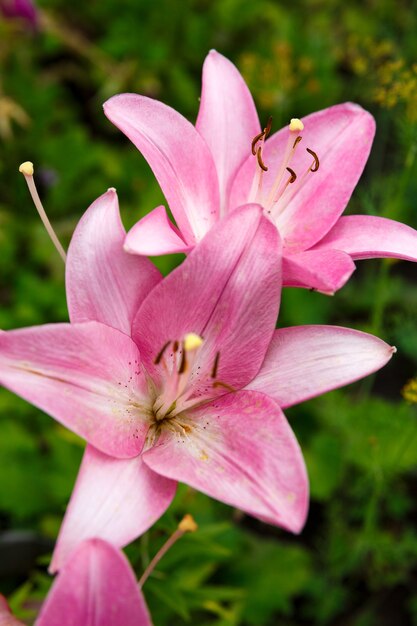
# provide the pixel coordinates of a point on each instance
(296, 125)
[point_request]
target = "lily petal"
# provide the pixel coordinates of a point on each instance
(321, 270)
(367, 237)
(227, 291)
(241, 450)
(155, 235)
(227, 119)
(178, 156)
(306, 361)
(104, 283)
(113, 499)
(97, 586)
(87, 376)
(341, 136)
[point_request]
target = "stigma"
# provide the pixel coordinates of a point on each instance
(296, 125)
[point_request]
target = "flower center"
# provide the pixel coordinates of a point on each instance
(186, 381)
(184, 386)
(286, 182)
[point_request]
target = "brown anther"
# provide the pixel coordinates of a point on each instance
(215, 365)
(297, 141)
(218, 383)
(175, 346)
(255, 141)
(293, 175)
(268, 127)
(316, 164)
(161, 353)
(260, 162)
(183, 364)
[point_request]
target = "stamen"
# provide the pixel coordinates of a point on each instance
(218, 383)
(316, 165)
(255, 141)
(215, 365)
(175, 346)
(183, 364)
(27, 170)
(293, 175)
(297, 141)
(268, 127)
(161, 353)
(260, 162)
(186, 525)
(282, 208)
(262, 135)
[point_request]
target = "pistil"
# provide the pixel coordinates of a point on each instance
(27, 170)
(295, 127)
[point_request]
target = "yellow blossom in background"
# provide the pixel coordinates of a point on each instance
(409, 391)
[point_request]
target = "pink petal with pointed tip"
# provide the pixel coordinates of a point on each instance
(97, 587)
(113, 499)
(227, 291)
(242, 451)
(321, 270)
(178, 156)
(104, 283)
(6, 617)
(306, 361)
(87, 376)
(341, 136)
(227, 119)
(155, 234)
(368, 236)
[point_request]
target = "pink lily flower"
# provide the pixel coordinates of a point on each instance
(23, 9)
(302, 175)
(187, 384)
(96, 587)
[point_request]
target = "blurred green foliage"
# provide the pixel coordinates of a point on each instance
(355, 562)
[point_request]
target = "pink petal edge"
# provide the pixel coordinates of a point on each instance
(96, 586)
(178, 156)
(321, 270)
(86, 376)
(241, 451)
(114, 499)
(369, 236)
(306, 361)
(227, 119)
(155, 235)
(104, 283)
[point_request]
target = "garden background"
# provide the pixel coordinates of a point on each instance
(355, 564)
